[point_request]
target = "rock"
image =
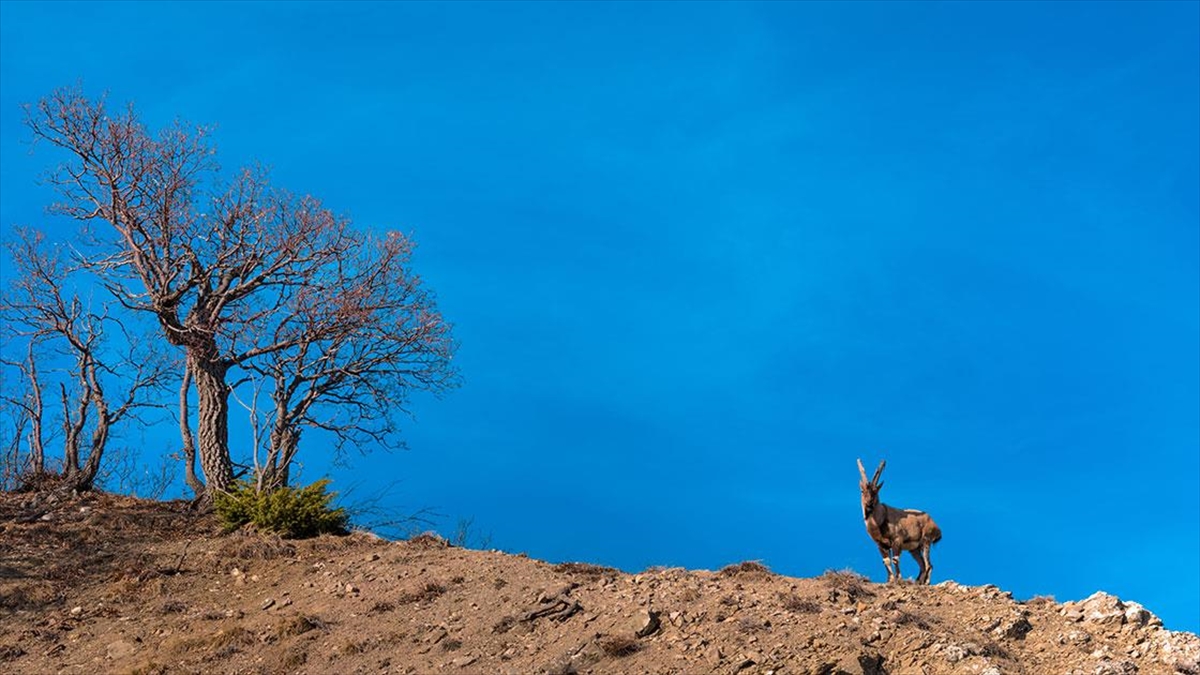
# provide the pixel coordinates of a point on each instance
(1116, 668)
(1014, 628)
(76, 611)
(267, 604)
(645, 623)
(1099, 608)
(990, 670)
(1138, 616)
(1179, 650)
(1075, 637)
(954, 653)
(463, 661)
(713, 655)
(863, 664)
(120, 649)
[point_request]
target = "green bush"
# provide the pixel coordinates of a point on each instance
(287, 511)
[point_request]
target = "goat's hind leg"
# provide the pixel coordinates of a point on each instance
(922, 570)
(927, 568)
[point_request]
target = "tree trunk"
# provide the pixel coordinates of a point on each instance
(86, 477)
(212, 423)
(185, 432)
(72, 431)
(37, 451)
(284, 443)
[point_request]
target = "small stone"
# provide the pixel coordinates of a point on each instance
(268, 604)
(76, 611)
(463, 661)
(713, 654)
(351, 588)
(120, 649)
(954, 653)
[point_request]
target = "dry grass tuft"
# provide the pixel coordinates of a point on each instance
(617, 646)
(10, 652)
(905, 618)
(451, 644)
(148, 668)
(429, 540)
(750, 568)
(794, 603)
(172, 607)
(748, 625)
(848, 583)
(222, 643)
(294, 659)
(298, 625)
(430, 591)
(1041, 601)
(586, 570)
(249, 545)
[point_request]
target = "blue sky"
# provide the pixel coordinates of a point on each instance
(701, 257)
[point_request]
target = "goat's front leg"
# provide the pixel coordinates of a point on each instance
(886, 553)
(896, 561)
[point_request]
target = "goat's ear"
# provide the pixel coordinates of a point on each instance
(862, 472)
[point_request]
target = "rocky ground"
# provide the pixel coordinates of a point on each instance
(106, 584)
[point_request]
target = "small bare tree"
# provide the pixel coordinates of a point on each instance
(25, 408)
(38, 308)
(362, 337)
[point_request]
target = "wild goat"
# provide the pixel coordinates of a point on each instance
(896, 530)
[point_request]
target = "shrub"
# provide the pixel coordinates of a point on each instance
(287, 511)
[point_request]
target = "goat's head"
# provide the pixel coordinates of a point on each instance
(870, 488)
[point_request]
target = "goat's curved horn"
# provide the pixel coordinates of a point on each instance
(862, 471)
(878, 472)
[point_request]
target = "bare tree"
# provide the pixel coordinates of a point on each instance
(37, 306)
(25, 407)
(361, 337)
(212, 260)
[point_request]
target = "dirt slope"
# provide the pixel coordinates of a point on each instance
(104, 584)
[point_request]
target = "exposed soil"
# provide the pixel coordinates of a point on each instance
(106, 584)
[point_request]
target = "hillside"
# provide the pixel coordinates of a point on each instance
(106, 584)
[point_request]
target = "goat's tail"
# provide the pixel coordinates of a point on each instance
(935, 533)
